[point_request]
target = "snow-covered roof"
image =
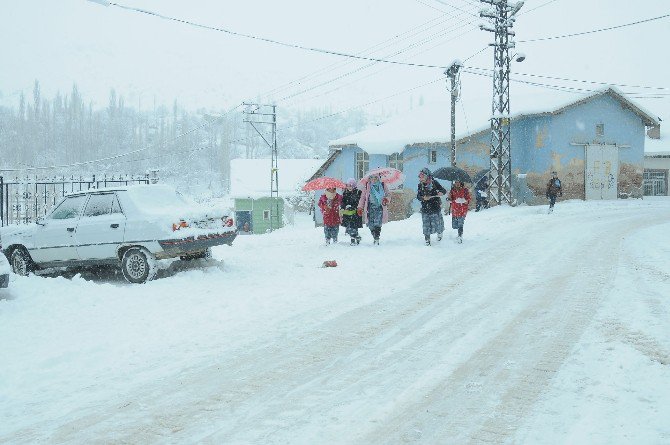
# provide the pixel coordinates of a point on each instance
(250, 178)
(658, 147)
(431, 123)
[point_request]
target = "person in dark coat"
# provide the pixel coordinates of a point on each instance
(350, 218)
(554, 188)
(329, 203)
(459, 196)
(481, 195)
(429, 195)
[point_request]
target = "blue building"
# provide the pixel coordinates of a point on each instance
(596, 144)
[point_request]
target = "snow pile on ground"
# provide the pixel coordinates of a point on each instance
(539, 328)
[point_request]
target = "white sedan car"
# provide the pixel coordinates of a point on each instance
(128, 227)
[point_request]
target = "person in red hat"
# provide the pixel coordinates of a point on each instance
(329, 203)
(460, 200)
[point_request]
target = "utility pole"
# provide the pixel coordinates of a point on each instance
(502, 17)
(256, 115)
(455, 87)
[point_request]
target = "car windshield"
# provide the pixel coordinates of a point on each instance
(157, 199)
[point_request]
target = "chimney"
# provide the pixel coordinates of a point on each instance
(654, 132)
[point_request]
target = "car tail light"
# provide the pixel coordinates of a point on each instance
(179, 225)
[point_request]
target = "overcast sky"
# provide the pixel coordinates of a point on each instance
(142, 57)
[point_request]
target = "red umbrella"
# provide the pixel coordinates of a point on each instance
(323, 183)
(390, 176)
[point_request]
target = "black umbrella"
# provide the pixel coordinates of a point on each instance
(452, 174)
(481, 175)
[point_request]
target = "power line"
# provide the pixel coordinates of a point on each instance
(271, 41)
(570, 89)
(369, 50)
(367, 103)
(591, 82)
(541, 39)
(347, 74)
(537, 7)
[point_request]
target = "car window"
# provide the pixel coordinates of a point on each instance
(69, 208)
(116, 208)
(99, 204)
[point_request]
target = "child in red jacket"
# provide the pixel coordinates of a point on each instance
(460, 200)
(329, 203)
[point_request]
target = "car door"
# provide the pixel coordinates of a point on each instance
(54, 236)
(101, 228)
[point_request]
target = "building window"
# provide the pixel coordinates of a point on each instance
(600, 129)
(432, 157)
(266, 215)
(395, 161)
(362, 164)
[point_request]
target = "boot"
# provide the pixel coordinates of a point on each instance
(439, 236)
(353, 241)
(427, 240)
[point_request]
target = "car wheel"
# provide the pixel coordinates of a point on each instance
(22, 264)
(138, 265)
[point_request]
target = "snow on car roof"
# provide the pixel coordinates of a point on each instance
(120, 188)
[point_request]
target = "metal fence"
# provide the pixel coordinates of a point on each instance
(23, 200)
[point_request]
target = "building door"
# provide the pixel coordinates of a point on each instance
(655, 182)
(602, 172)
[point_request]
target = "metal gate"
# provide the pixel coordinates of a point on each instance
(23, 200)
(602, 172)
(655, 182)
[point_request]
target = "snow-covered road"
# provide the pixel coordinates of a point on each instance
(539, 328)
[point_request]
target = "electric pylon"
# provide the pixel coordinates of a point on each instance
(254, 115)
(502, 17)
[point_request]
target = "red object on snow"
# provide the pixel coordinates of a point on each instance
(390, 176)
(323, 183)
(331, 263)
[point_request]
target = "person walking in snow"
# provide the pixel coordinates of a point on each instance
(349, 210)
(459, 196)
(481, 196)
(429, 193)
(329, 203)
(373, 206)
(554, 188)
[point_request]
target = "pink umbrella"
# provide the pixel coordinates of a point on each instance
(390, 176)
(323, 183)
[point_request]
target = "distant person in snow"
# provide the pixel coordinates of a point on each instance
(459, 196)
(481, 195)
(373, 206)
(429, 195)
(349, 211)
(554, 188)
(329, 203)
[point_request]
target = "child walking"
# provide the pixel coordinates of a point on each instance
(329, 203)
(460, 200)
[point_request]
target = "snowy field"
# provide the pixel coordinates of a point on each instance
(537, 329)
